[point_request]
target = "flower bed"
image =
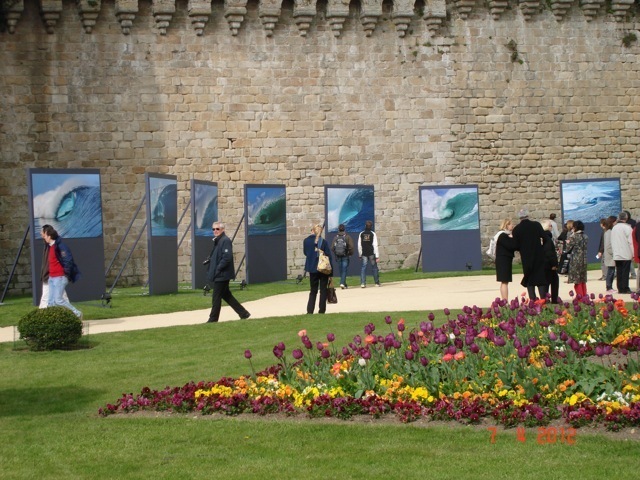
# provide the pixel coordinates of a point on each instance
(519, 362)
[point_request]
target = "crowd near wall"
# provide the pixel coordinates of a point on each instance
(511, 96)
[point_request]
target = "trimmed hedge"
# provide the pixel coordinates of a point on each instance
(50, 328)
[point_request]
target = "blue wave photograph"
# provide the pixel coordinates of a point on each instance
(446, 209)
(163, 206)
(352, 206)
(266, 210)
(70, 202)
(205, 208)
(590, 200)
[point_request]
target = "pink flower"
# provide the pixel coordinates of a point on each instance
(302, 333)
(447, 357)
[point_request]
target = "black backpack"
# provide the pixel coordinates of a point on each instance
(340, 246)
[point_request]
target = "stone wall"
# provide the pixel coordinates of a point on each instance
(511, 96)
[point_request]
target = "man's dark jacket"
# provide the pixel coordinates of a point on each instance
(221, 267)
(529, 236)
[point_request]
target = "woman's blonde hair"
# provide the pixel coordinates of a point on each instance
(546, 224)
(317, 230)
(505, 223)
(569, 225)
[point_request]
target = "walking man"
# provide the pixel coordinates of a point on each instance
(622, 246)
(368, 252)
(342, 248)
(220, 272)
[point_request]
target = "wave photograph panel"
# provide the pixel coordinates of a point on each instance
(590, 200)
(205, 198)
(163, 198)
(445, 209)
(266, 210)
(351, 206)
(70, 202)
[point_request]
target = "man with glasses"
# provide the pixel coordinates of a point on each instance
(220, 272)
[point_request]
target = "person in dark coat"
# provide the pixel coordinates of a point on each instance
(220, 272)
(505, 251)
(550, 261)
(317, 280)
(529, 237)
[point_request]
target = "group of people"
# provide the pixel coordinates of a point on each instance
(537, 250)
(342, 248)
(618, 249)
(544, 250)
(220, 266)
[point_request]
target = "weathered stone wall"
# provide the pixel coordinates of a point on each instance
(512, 97)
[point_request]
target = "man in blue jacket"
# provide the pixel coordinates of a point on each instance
(220, 272)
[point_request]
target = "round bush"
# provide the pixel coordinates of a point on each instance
(50, 328)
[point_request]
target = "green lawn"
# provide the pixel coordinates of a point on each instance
(132, 301)
(50, 427)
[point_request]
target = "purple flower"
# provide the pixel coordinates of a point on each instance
(366, 354)
(431, 317)
(345, 351)
(331, 337)
(548, 362)
(474, 348)
(319, 346)
(297, 354)
(387, 320)
(599, 351)
(447, 312)
(401, 327)
(247, 354)
(553, 337)
(408, 354)
(325, 353)
(277, 352)
(499, 341)
(281, 346)
(424, 361)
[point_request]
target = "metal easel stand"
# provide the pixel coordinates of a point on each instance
(106, 297)
(243, 282)
(15, 263)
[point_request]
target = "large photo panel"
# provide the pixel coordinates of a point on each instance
(589, 200)
(450, 228)
(69, 200)
(162, 232)
(265, 233)
(204, 212)
(351, 206)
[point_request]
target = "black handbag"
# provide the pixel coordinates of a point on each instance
(565, 259)
(332, 297)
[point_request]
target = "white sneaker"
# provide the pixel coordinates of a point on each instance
(363, 286)
(378, 285)
(342, 286)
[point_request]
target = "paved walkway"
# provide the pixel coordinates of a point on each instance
(427, 295)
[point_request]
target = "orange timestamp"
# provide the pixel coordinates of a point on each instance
(544, 435)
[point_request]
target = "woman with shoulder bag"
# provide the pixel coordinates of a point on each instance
(313, 246)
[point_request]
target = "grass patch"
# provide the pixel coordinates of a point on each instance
(50, 426)
(134, 301)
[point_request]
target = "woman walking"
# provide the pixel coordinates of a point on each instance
(505, 248)
(312, 246)
(578, 262)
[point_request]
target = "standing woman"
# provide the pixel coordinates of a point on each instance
(311, 247)
(578, 263)
(550, 261)
(607, 256)
(505, 248)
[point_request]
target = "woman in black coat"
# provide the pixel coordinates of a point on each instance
(550, 261)
(505, 248)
